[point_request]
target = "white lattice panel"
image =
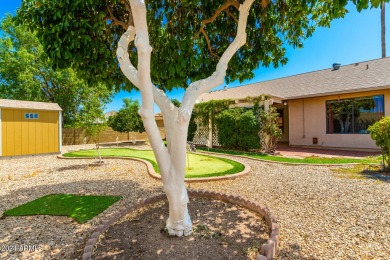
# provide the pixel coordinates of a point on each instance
(202, 135)
(215, 137)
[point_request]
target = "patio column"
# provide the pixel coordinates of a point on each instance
(267, 103)
(210, 143)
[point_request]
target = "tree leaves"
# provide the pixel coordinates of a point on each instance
(26, 74)
(127, 118)
(78, 34)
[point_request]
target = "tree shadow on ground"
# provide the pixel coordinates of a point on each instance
(220, 231)
(73, 167)
(293, 252)
(376, 176)
(363, 172)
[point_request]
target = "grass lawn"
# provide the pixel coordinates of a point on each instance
(308, 160)
(361, 172)
(80, 208)
(199, 165)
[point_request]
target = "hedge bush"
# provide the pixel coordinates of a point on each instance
(238, 129)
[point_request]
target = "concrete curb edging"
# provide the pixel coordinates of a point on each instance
(267, 250)
(152, 173)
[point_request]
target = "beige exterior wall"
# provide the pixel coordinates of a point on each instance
(307, 119)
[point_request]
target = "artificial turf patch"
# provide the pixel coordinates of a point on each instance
(80, 208)
(198, 165)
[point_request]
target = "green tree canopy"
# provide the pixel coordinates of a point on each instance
(127, 118)
(26, 73)
(91, 118)
(187, 36)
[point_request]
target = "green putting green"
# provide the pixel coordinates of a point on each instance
(198, 166)
(80, 208)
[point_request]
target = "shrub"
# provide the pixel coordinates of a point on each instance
(248, 127)
(269, 129)
(380, 133)
(226, 125)
(238, 129)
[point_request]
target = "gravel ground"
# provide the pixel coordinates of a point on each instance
(321, 215)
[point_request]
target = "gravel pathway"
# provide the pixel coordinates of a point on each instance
(321, 215)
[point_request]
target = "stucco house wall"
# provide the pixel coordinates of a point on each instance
(307, 120)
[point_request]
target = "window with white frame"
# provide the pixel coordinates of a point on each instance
(31, 116)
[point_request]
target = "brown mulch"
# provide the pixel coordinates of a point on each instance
(220, 231)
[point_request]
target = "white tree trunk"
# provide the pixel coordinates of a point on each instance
(171, 159)
(179, 222)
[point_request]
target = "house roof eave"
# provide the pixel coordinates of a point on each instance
(339, 92)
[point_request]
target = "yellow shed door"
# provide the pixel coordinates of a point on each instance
(29, 132)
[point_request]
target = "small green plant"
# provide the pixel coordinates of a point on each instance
(204, 231)
(380, 133)
(269, 129)
(164, 231)
(93, 121)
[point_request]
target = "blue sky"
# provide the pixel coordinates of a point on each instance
(355, 38)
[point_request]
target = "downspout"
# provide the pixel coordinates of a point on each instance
(289, 123)
(303, 119)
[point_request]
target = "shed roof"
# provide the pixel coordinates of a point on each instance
(19, 104)
(357, 77)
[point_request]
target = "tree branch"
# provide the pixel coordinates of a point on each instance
(128, 7)
(217, 78)
(223, 7)
(123, 56)
(231, 15)
(46, 87)
(131, 72)
(146, 87)
(116, 21)
(208, 43)
(164, 103)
